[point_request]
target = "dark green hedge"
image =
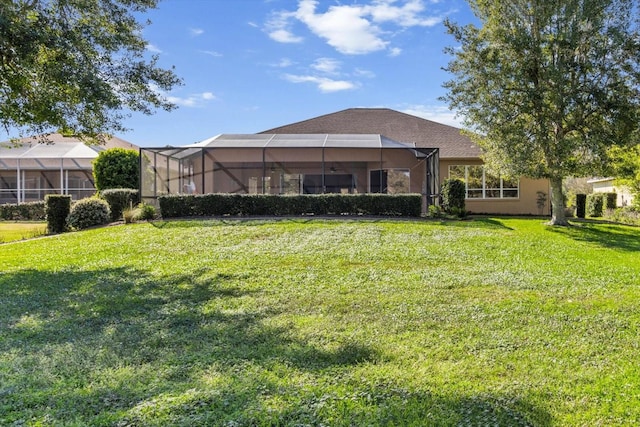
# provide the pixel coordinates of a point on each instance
(581, 205)
(31, 211)
(181, 205)
(119, 199)
(57, 208)
(609, 201)
(595, 202)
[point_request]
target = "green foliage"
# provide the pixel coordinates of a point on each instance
(30, 211)
(88, 212)
(609, 201)
(581, 205)
(174, 206)
(626, 167)
(626, 215)
(307, 322)
(548, 87)
(116, 168)
(146, 212)
(595, 204)
(57, 208)
(119, 199)
(453, 196)
(77, 65)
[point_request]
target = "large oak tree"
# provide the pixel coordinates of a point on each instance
(77, 65)
(548, 86)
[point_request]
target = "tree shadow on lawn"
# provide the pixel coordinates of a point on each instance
(100, 347)
(603, 234)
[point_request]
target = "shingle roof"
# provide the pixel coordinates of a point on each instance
(392, 124)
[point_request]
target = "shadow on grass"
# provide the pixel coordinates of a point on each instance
(476, 222)
(606, 235)
(123, 347)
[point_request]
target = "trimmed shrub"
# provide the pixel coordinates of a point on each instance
(30, 211)
(610, 201)
(116, 168)
(183, 205)
(89, 212)
(119, 199)
(453, 195)
(146, 212)
(595, 202)
(57, 208)
(581, 205)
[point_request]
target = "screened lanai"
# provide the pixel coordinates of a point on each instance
(29, 171)
(290, 164)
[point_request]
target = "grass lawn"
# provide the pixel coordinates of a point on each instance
(11, 231)
(337, 323)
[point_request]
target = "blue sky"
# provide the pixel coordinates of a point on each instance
(251, 65)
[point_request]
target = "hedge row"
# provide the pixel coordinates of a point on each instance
(599, 203)
(181, 205)
(31, 211)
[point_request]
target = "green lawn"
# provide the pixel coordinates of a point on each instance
(336, 323)
(11, 231)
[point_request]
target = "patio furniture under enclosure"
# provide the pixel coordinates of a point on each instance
(290, 164)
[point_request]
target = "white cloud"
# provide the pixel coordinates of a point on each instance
(283, 63)
(279, 28)
(211, 53)
(352, 29)
(284, 36)
(324, 84)
(196, 31)
(436, 113)
(153, 48)
(326, 65)
(364, 73)
(395, 51)
(344, 27)
(192, 101)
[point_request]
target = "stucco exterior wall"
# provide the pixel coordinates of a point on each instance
(625, 198)
(525, 204)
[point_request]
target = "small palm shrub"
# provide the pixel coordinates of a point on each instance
(89, 212)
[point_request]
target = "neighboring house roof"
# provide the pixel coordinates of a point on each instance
(594, 180)
(392, 124)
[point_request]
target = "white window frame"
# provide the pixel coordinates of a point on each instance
(484, 185)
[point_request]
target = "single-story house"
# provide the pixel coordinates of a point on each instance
(291, 164)
(358, 150)
(31, 168)
(458, 156)
(608, 185)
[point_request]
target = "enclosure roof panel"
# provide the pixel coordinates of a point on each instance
(58, 150)
(300, 141)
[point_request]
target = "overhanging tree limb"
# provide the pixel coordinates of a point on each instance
(78, 65)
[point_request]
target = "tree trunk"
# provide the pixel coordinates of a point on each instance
(557, 203)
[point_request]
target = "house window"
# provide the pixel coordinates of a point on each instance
(480, 184)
